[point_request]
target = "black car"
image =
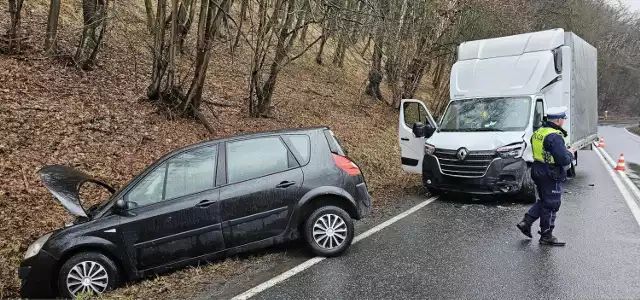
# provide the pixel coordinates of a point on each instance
(201, 202)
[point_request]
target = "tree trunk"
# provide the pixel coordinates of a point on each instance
(323, 41)
(243, 14)
(94, 16)
(15, 10)
(153, 91)
(173, 45)
(50, 43)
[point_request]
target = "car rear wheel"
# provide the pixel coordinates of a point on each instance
(87, 273)
(329, 231)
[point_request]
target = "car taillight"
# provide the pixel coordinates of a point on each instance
(346, 164)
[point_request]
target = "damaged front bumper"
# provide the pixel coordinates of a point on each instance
(503, 176)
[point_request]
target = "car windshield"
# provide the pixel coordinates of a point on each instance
(487, 114)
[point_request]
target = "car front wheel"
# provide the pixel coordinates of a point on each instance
(87, 273)
(329, 231)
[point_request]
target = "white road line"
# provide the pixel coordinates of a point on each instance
(632, 186)
(634, 136)
(307, 264)
(628, 198)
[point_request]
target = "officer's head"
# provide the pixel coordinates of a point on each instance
(557, 115)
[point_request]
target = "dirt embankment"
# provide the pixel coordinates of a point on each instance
(99, 122)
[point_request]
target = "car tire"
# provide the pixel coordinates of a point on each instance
(105, 273)
(322, 241)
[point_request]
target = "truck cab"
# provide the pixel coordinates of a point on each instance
(500, 89)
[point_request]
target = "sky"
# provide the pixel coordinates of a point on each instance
(633, 4)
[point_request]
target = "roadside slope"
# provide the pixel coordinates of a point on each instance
(100, 123)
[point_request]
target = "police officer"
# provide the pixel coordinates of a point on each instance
(549, 171)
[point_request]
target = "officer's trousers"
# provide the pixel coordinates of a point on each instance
(550, 196)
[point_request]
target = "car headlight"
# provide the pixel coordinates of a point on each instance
(512, 150)
(429, 149)
(37, 245)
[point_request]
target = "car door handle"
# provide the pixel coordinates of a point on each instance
(285, 184)
(204, 203)
(404, 139)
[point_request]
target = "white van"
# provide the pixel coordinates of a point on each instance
(499, 91)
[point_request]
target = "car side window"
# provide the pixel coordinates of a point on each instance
(191, 172)
(413, 113)
(184, 174)
(253, 158)
(538, 114)
(301, 144)
(149, 189)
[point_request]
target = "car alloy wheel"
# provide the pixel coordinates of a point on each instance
(87, 276)
(88, 273)
(330, 231)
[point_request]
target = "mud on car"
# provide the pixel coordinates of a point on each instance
(202, 202)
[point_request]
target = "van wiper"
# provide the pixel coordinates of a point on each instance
(487, 129)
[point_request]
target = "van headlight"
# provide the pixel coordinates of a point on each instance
(37, 245)
(512, 150)
(429, 149)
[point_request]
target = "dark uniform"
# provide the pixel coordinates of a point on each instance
(551, 157)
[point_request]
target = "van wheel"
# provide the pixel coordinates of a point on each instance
(87, 273)
(528, 190)
(329, 231)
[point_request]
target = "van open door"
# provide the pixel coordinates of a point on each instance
(415, 126)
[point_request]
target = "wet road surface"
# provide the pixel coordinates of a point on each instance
(617, 140)
(456, 249)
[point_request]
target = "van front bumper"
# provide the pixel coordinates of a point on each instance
(504, 176)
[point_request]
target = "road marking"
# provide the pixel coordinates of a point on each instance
(628, 198)
(307, 264)
(634, 136)
(632, 186)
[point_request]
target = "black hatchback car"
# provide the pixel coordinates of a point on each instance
(201, 202)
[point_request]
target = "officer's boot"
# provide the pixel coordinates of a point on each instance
(547, 238)
(525, 225)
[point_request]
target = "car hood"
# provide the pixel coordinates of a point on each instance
(474, 141)
(65, 183)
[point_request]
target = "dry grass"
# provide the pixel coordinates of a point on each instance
(99, 122)
(635, 129)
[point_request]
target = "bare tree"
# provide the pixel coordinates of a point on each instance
(94, 14)
(13, 37)
(279, 23)
(50, 43)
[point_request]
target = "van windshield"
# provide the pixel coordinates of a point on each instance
(487, 114)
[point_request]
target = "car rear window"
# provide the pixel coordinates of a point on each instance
(334, 143)
(302, 145)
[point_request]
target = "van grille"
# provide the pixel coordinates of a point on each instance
(475, 163)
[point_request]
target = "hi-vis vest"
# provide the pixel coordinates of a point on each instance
(537, 144)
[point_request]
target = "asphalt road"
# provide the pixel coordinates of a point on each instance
(452, 249)
(617, 140)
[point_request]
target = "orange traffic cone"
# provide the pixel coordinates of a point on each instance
(601, 144)
(620, 166)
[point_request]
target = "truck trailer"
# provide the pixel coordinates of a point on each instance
(500, 89)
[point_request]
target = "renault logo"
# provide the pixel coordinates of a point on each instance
(462, 153)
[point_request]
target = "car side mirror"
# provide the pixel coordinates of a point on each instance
(122, 207)
(419, 129)
(429, 131)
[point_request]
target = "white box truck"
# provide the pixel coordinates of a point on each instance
(500, 89)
